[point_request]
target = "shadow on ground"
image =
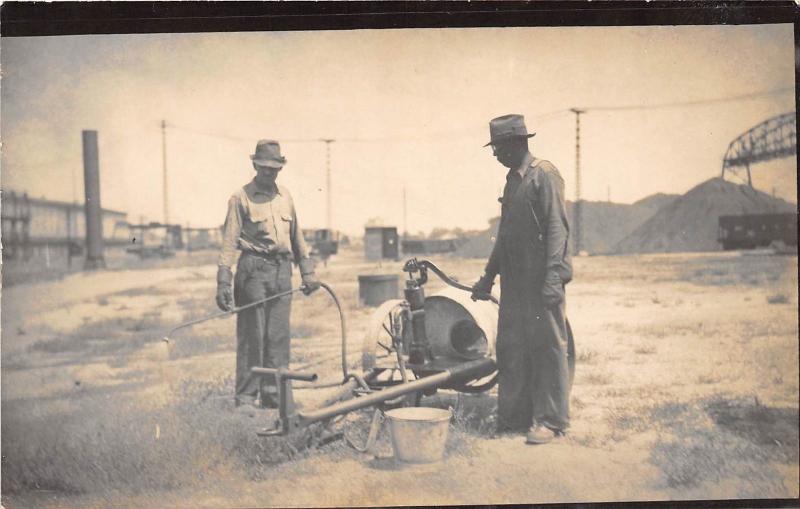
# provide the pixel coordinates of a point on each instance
(715, 439)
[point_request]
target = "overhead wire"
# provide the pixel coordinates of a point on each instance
(394, 138)
(540, 118)
(76, 157)
(238, 138)
(698, 102)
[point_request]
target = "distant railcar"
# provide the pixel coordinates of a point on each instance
(155, 239)
(324, 242)
(757, 230)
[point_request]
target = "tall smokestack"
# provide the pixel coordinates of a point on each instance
(94, 218)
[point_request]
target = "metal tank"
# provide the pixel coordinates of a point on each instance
(457, 328)
(460, 328)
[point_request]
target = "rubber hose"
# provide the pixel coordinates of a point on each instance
(330, 291)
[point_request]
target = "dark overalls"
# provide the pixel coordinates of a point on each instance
(534, 381)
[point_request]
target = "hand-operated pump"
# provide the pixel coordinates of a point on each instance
(414, 346)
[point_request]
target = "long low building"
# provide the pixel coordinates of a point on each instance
(37, 231)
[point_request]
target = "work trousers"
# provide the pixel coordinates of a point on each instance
(263, 331)
(534, 379)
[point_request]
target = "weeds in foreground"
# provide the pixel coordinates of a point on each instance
(115, 446)
(661, 331)
(587, 356)
(476, 414)
(597, 379)
(739, 441)
(758, 423)
(105, 336)
(198, 344)
(751, 271)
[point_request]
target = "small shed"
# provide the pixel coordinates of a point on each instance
(381, 242)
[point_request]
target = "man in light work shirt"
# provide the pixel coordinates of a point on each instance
(262, 224)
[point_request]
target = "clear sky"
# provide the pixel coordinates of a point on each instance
(409, 110)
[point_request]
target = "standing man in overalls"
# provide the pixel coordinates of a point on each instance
(262, 224)
(532, 258)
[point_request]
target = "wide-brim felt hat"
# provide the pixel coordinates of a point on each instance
(268, 153)
(506, 127)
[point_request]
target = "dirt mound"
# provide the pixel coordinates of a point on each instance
(690, 222)
(604, 225)
(655, 201)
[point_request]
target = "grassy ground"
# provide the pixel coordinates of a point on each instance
(686, 387)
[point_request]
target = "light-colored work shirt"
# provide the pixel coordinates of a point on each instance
(262, 222)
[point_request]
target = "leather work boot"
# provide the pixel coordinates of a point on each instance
(504, 431)
(540, 434)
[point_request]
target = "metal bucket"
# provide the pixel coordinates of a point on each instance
(419, 433)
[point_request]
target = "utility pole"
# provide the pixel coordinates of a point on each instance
(74, 187)
(69, 215)
(405, 214)
(329, 203)
(164, 166)
(608, 194)
(578, 204)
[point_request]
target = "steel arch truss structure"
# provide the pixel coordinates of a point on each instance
(771, 139)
